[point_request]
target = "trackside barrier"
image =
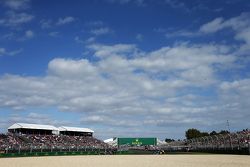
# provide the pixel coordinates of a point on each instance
(96, 152)
(27, 154)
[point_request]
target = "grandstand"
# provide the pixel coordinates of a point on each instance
(34, 137)
(233, 143)
(229, 142)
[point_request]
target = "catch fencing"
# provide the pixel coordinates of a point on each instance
(231, 142)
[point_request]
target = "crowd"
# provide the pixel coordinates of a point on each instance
(9, 141)
(16, 141)
(229, 140)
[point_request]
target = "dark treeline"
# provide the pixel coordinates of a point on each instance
(169, 140)
(195, 133)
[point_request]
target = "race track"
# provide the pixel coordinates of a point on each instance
(130, 161)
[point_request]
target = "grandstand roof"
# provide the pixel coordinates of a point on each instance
(109, 140)
(75, 129)
(32, 126)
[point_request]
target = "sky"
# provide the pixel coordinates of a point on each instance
(126, 68)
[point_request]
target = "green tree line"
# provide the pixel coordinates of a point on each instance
(195, 133)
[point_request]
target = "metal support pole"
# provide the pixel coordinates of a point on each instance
(230, 139)
(211, 142)
(248, 144)
(197, 143)
(224, 141)
(238, 140)
(204, 142)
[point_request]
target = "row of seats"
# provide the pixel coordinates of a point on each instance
(14, 141)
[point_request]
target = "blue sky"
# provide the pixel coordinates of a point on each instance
(126, 67)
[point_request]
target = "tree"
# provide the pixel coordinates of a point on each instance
(193, 133)
(213, 133)
(204, 134)
(167, 140)
(223, 132)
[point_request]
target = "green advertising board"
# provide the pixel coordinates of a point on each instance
(136, 141)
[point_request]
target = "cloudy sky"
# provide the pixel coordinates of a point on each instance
(126, 67)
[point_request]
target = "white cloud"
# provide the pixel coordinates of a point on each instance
(87, 41)
(65, 20)
(105, 120)
(101, 31)
(78, 40)
(29, 34)
(183, 57)
(90, 40)
(14, 52)
(234, 98)
(173, 32)
(212, 26)
(13, 19)
(9, 36)
(31, 117)
(118, 49)
(97, 28)
(91, 84)
(71, 68)
(46, 23)
(54, 34)
(49, 23)
(182, 33)
(3, 52)
(184, 6)
(17, 4)
(127, 87)
(239, 24)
